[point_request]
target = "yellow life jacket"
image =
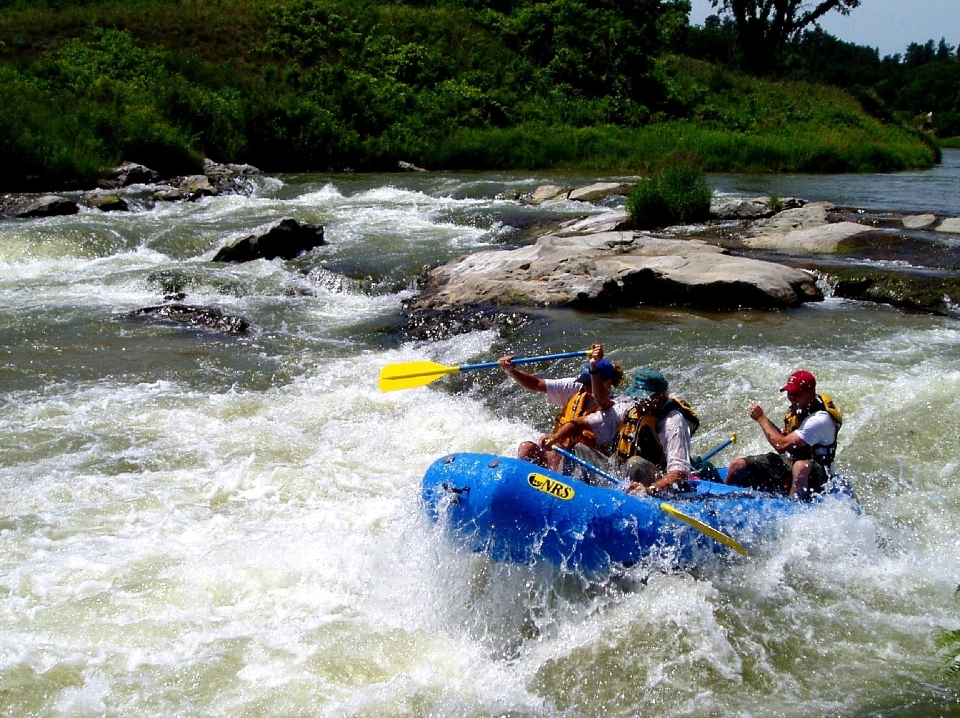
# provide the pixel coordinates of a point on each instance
(638, 433)
(580, 404)
(821, 453)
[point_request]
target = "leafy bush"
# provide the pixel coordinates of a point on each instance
(677, 194)
(948, 644)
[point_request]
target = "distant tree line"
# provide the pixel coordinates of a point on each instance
(921, 86)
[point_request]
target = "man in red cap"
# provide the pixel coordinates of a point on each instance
(804, 449)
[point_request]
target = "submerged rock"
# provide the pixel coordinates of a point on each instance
(208, 318)
(933, 292)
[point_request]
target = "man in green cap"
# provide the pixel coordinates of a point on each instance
(653, 444)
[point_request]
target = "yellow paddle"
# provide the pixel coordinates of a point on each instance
(411, 374)
(708, 530)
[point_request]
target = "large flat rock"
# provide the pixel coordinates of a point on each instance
(823, 239)
(614, 269)
(804, 230)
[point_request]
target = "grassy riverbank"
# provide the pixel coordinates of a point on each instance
(300, 85)
(874, 148)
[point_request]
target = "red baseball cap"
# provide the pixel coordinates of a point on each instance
(800, 380)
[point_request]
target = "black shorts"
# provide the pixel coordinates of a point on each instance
(773, 472)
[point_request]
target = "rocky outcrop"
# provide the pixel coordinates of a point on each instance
(614, 269)
(726, 208)
(285, 238)
(132, 184)
(129, 173)
(595, 223)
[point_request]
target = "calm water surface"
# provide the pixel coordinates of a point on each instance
(195, 526)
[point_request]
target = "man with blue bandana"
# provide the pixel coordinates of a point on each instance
(588, 417)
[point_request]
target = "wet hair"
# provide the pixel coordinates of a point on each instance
(617, 374)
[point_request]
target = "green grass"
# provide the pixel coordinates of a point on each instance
(785, 149)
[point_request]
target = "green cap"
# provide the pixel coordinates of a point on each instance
(646, 383)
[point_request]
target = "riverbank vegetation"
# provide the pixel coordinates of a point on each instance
(300, 85)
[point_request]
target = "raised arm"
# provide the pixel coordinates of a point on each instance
(778, 440)
(599, 387)
(527, 381)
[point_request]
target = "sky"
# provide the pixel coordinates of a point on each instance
(889, 25)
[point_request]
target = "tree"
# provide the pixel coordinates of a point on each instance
(765, 26)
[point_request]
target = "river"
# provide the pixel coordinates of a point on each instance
(193, 525)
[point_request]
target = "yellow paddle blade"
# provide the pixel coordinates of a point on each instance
(410, 374)
(708, 530)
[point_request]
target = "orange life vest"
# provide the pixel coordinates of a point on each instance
(638, 433)
(580, 404)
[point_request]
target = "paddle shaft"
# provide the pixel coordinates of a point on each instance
(523, 360)
(721, 447)
(588, 466)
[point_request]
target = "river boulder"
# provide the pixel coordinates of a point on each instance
(49, 205)
(127, 174)
(547, 193)
(107, 202)
(612, 269)
(285, 238)
(599, 191)
(950, 224)
(918, 221)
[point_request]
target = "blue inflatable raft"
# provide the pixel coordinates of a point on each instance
(518, 512)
